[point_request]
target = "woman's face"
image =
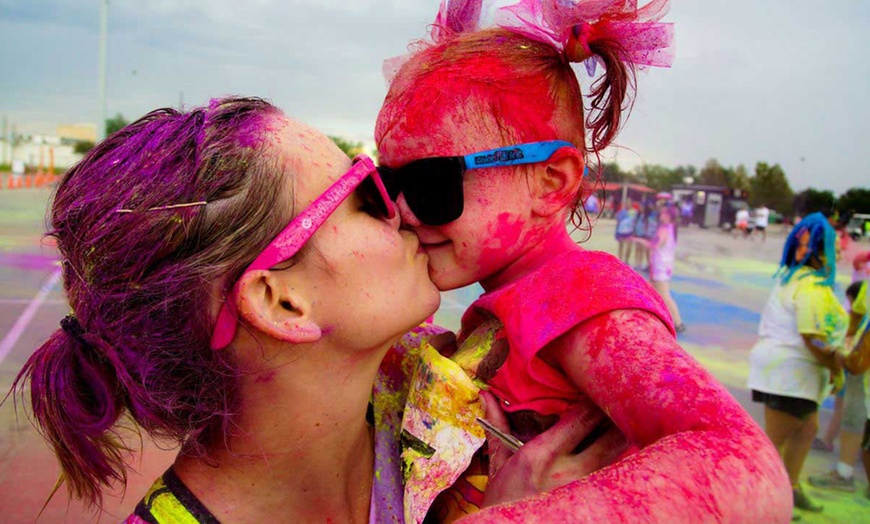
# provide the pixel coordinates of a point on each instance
(495, 225)
(367, 280)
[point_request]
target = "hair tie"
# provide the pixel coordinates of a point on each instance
(577, 48)
(72, 327)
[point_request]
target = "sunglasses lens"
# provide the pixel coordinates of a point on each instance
(433, 189)
(373, 202)
(390, 179)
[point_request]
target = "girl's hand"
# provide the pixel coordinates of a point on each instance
(546, 462)
(838, 379)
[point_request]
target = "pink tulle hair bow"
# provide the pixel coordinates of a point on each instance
(572, 25)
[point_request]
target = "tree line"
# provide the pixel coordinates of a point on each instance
(767, 185)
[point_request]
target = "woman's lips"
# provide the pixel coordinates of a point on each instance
(428, 246)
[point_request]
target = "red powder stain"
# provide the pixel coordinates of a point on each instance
(422, 98)
(506, 233)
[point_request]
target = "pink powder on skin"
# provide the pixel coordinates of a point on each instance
(701, 456)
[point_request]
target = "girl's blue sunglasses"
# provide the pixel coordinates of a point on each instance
(433, 186)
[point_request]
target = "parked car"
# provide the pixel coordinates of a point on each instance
(858, 227)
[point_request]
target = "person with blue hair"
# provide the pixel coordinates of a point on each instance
(793, 366)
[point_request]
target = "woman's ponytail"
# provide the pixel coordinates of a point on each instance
(76, 401)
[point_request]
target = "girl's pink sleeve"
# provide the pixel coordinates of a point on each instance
(702, 458)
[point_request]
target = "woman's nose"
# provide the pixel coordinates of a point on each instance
(408, 216)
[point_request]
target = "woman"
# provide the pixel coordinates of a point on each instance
(802, 326)
(235, 283)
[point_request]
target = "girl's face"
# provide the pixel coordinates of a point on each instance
(368, 280)
(496, 225)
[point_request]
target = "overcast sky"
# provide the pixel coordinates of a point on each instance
(778, 81)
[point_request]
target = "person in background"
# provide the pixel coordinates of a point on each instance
(687, 210)
(857, 362)
(662, 248)
(592, 205)
(762, 218)
(741, 222)
(849, 410)
(644, 228)
(626, 220)
(794, 361)
(861, 266)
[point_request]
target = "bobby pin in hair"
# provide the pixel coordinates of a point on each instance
(161, 208)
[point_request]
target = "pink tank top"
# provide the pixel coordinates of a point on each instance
(542, 306)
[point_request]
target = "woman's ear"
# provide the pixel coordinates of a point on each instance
(269, 303)
(556, 182)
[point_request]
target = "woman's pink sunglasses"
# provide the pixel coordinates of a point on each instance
(363, 178)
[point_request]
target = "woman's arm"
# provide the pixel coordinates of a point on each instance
(701, 456)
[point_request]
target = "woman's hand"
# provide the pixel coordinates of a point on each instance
(546, 462)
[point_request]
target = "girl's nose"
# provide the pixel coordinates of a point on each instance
(408, 216)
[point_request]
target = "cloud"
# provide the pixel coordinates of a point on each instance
(772, 81)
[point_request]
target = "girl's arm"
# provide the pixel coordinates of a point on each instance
(824, 353)
(858, 361)
(701, 456)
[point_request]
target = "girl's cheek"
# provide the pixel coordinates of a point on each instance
(503, 235)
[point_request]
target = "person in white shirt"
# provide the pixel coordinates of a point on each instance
(762, 217)
(741, 222)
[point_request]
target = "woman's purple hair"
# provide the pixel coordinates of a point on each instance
(142, 283)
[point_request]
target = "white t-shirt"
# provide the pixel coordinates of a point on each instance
(762, 215)
(780, 362)
(742, 217)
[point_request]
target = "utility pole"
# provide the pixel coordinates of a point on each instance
(7, 143)
(104, 31)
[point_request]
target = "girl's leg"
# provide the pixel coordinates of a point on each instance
(664, 289)
(834, 425)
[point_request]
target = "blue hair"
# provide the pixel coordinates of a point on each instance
(823, 239)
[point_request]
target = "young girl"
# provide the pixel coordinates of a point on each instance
(663, 248)
(483, 141)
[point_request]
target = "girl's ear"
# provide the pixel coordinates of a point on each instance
(555, 183)
(271, 305)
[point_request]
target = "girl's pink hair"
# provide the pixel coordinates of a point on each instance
(526, 87)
